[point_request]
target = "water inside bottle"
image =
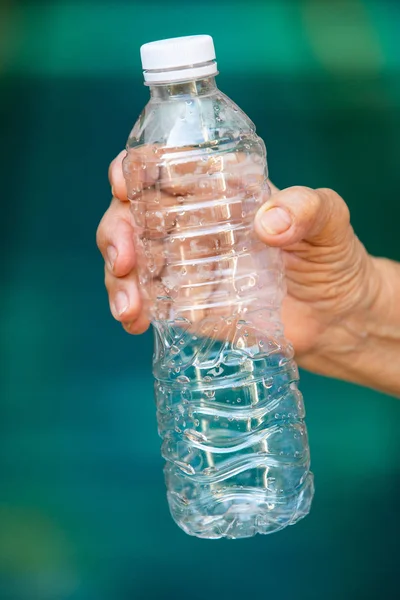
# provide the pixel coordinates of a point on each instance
(234, 437)
(229, 411)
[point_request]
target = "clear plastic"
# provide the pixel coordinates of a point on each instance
(229, 410)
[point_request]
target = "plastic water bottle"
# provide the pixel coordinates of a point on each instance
(229, 411)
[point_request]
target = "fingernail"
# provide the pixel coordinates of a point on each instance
(111, 255)
(121, 303)
(276, 220)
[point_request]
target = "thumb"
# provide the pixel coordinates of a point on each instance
(320, 217)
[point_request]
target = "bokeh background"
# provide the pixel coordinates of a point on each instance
(83, 514)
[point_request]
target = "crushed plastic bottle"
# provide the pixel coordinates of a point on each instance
(229, 410)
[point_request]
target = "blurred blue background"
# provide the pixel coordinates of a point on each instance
(83, 513)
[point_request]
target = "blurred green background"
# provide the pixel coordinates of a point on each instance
(83, 513)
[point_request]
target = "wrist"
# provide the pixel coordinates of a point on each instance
(383, 318)
(375, 362)
(362, 346)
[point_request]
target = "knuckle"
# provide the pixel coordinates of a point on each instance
(338, 206)
(344, 211)
(123, 266)
(105, 226)
(309, 201)
(312, 199)
(108, 280)
(110, 170)
(115, 164)
(99, 235)
(114, 172)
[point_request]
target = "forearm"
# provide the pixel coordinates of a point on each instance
(364, 348)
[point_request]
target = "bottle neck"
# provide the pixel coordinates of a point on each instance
(194, 88)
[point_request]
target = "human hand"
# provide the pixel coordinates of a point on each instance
(331, 279)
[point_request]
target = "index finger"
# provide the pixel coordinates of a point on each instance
(116, 177)
(138, 173)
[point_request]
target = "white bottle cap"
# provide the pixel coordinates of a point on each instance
(178, 59)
